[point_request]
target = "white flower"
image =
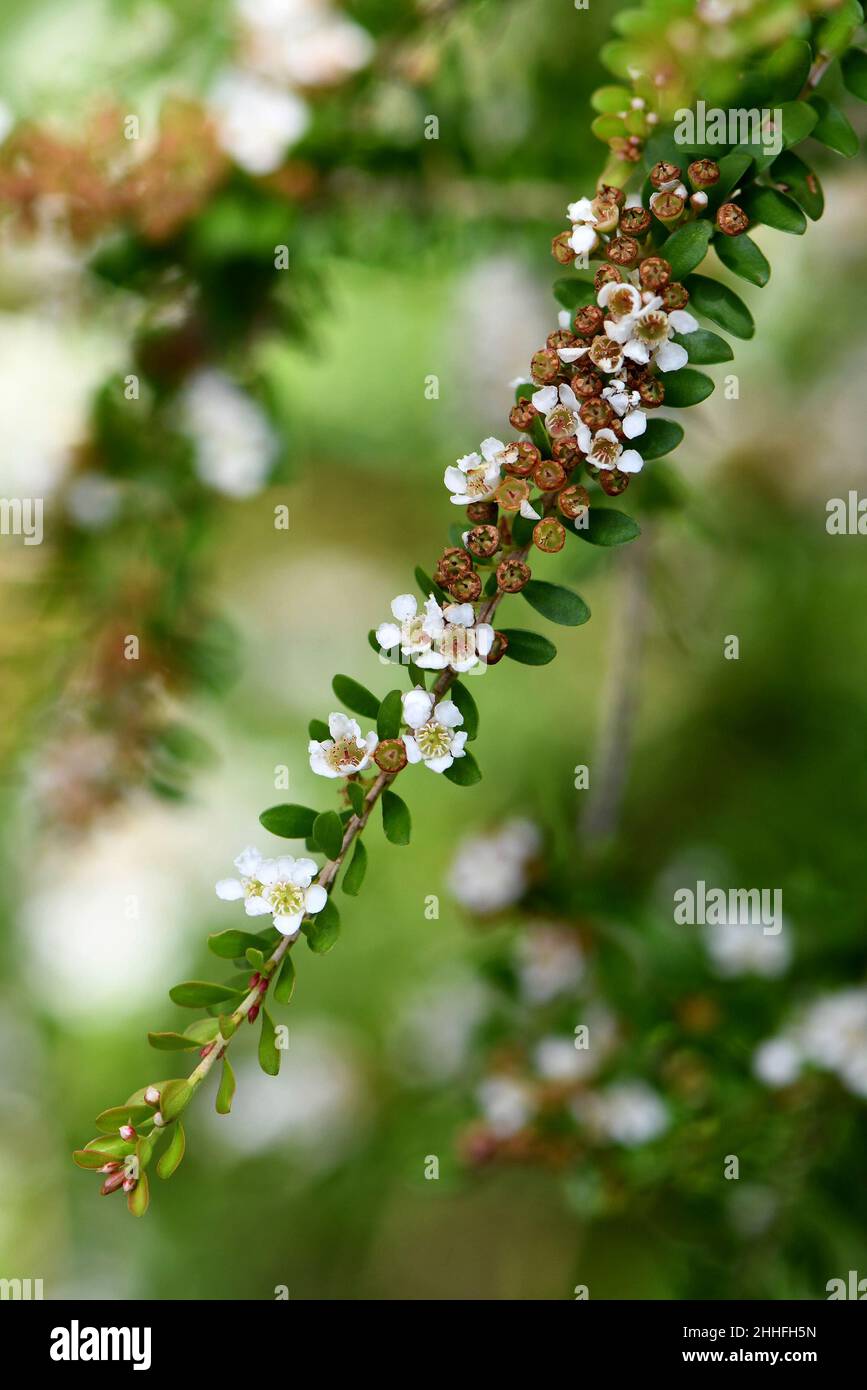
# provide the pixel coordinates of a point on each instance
(256, 120)
(581, 215)
(283, 887)
(625, 404)
(475, 477)
(301, 42)
(620, 299)
(559, 405)
(743, 948)
(443, 637)
(507, 1105)
(645, 335)
(629, 1113)
(833, 1035)
(604, 450)
(233, 442)
(777, 1062)
(435, 739)
(550, 963)
(489, 872)
(345, 752)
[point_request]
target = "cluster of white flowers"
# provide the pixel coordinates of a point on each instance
(560, 1059)
(234, 445)
(743, 948)
(490, 872)
(436, 638)
(550, 962)
(830, 1034)
(629, 1113)
(643, 329)
(282, 888)
(285, 48)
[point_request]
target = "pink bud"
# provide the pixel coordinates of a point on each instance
(152, 1096)
(158, 1121)
(127, 1132)
(110, 1167)
(129, 1184)
(253, 1014)
(112, 1183)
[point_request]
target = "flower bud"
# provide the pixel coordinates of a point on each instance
(703, 173)
(111, 1167)
(613, 482)
(253, 1014)
(127, 1132)
(498, 648)
(561, 250)
(668, 208)
(586, 383)
(390, 755)
(466, 588)
(588, 320)
(595, 413)
(527, 456)
(732, 220)
(512, 575)
(609, 193)
(663, 173)
(623, 251)
(549, 475)
(481, 513)
(654, 273)
(549, 535)
(522, 415)
(130, 1184)
(511, 493)
(159, 1121)
(112, 1183)
(560, 338)
(698, 202)
(635, 222)
(567, 452)
(628, 149)
(453, 563)
(675, 296)
(573, 501)
(152, 1096)
(545, 366)
(483, 541)
(604, 274)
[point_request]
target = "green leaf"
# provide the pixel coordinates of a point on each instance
(110, 1121)
(203, 1030)
(787, 69)
(318, 729)
(524, 390)
(660, 436)
(854, 65)
(174, 1097)
(323, 930)
(687, 247)
(170, 1158)
(556, 604)
(390, 714)
(231, 944)
(464, 772)
(529, 648)
(111, 1144)
(396, 820)
(608, 100)
(608, 127)
(226, 1091)
(798, 179)
(833, 128)
(354, 876)
(373, 642)
(227, 1025)
(732, 168)
(741, 256)
(355, 792)
(92, 1158)
(198, 994)
(254, 957)
(328, 833)
(468, 708)
(799, 119)
(606, 526)
(139, 1199)
(269, 1052)
(285, 986)
(774, 209)
(838, 30)
(687, 387)
(720, 304)
(291, 822)
(355, 696)
(172, 1042)
(573, 294)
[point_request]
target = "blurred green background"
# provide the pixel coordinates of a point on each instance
(432, 261)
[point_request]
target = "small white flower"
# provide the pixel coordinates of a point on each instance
(476, 477)
(628, 1113)
(777, 1062)
(625, 403)
(743, 948)
(412, 632)
(283, 887)
(435, 739)
(620, 299)
(256, 120)
(605, 451)
(345, 752)
(645, 335)
(443, 637)
(507, 1105)
(550, 963)
(559, 405)
(490, 871)
(581, 215)
(234, 445)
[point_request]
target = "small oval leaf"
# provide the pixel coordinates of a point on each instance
(323, 930)
(528, 648)
(396, 820)
(355, 696)
(354, 876)
(720, 304)
(285, 986)
(389, 718)
(661, 436)
(686, 248)
(607, 526)
(687, 387)
(226, 1091)
(741, 256)
(328, 833)
(468, 708)
(170, 1158)
(464, 772)
(290, 822)
(268, 1052)
(556, 604)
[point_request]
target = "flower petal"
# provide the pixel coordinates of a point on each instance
(634, 424)
(316, 897)
(671, 357)
(417, 704)
(630, 461)
(404, 607)
(230, 890)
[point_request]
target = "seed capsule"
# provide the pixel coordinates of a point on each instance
(654, 273)
(527, 456)
(560, 338)
(453, 563)
(703, 173)
(623, 251)
(482, 512)
(545, 366)
(586, 383)
(595, 413)
(663, 173)
(483, 541)
(549, 535)
(512, 576)
(652, 391)
(549, 475)
(466, 588)
(390, 755)
(731, 219)
(573, 501)
(635, 222)
(522, 415)
(675, 296)
(567, 452)
(606, 273)
(613, 482)
(561, 250)
(498, 649)
(511, 493)
(588, 320)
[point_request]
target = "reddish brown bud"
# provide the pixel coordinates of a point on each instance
(127, 1132)
(390, 755)
(664, 173)
(522, 415)
(652, 391)
(561, 338)
(498, 649)
(635, 222)
(613, 482)
(623, 251)
(596, 413)
(605, 274)
(466, 588)
(453, 563)
(549, 535)
(654, 273)
(567, 452)
(549, 475)
(511, 493)
(561, 250)
(512, 575)
(588, 320)
(112, 1183)
(573, 501)
(731, 219)
(586, 383)
(527, 458)
(545, 366)
(675, 296)
(483, 541)
(253, 1014)
(703, 173)
(481, 513)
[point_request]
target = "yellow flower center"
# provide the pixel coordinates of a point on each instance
(345, 752)
(433, 739)
(652, 328)
(287, 899)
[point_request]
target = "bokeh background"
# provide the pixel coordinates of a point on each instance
(124, 798)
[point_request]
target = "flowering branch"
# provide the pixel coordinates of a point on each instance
(623, 347)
